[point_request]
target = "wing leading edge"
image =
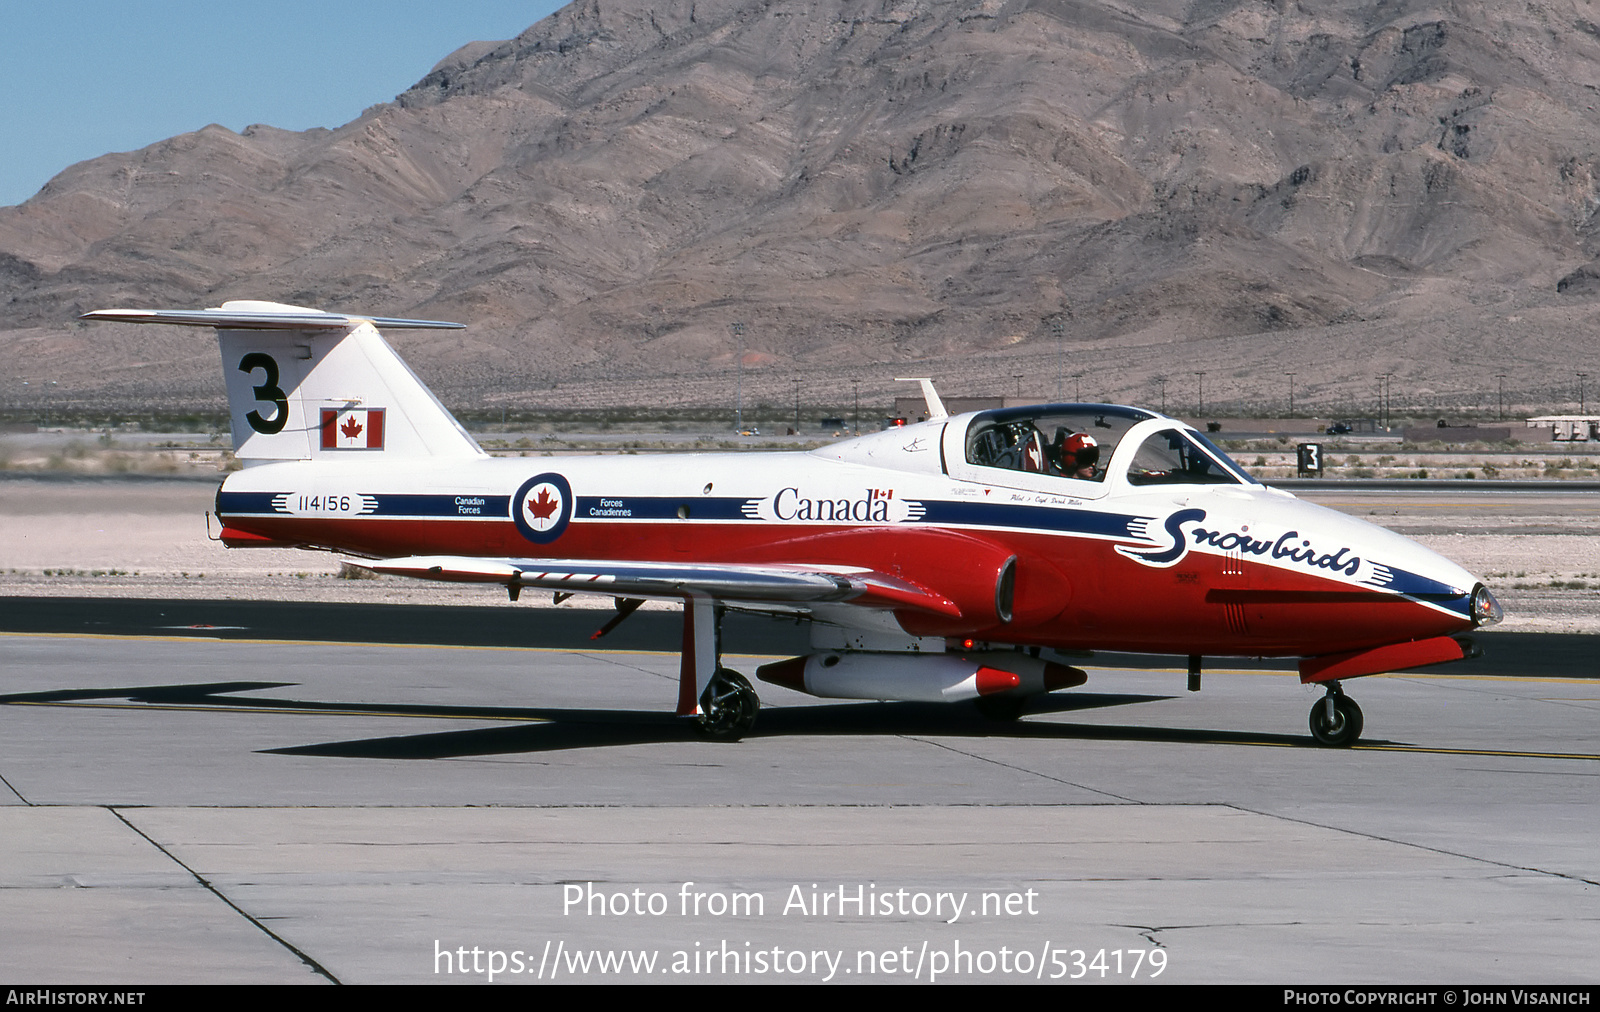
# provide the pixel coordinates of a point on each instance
(731, 583)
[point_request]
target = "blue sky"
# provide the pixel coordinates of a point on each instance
(84, 77)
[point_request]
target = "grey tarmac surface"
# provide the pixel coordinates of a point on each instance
(216, 810)
(231, 807)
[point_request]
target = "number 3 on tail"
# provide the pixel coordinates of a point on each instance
(268, 390)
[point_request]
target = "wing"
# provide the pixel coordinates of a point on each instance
(731, 583)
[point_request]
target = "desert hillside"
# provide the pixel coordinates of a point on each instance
(1340, 189)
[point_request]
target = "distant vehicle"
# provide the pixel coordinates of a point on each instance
(933, 562)
(750, 430)
(1339, 428)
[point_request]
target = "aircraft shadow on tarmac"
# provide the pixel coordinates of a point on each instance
(547, 729)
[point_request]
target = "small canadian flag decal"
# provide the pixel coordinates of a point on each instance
(352, 428)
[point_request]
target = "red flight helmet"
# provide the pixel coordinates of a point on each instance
(1083, 450)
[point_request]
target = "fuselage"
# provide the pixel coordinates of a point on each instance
(1136, 558)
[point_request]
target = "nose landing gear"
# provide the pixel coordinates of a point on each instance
(1335, 719)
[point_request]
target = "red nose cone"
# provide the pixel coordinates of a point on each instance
(991, 680)
(791, 674)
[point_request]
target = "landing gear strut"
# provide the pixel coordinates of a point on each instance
(719, 699)
(728, 706)
(1335, 719)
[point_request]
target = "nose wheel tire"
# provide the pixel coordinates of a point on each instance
(728, 707)
(1336, 720)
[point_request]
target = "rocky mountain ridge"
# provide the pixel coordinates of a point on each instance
(1339, 189)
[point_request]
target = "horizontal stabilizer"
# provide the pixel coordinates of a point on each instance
(249, 315)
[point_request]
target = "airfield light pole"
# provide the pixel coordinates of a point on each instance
(855, 386)
(1386, 395)
(797, 407)
(1202, 378)
(738, 332)
(1163, 381)
(1077, 387)
(1018, 377)
(1291, 395)
(1058, 328)
(1500, 397)
(1583, 403)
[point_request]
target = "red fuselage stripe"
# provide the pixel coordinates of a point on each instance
(1071, 592)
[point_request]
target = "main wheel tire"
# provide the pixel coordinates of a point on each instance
(729, 706)
(1341, 729)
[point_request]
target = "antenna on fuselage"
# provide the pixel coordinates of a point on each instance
(935, 405)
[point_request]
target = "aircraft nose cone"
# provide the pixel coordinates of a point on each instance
(1485, 609)
(1454, 599)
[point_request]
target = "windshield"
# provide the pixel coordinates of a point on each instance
(1068, 441)
(1180, 457)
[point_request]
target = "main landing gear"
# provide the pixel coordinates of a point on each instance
(718, 699)
(1335, 719)
(728, 706)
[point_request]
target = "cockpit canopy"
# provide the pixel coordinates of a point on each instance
(1183, 457)
(1069, 447)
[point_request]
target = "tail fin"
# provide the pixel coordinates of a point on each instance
(304, 384)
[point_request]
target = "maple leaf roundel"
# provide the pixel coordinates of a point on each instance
(542, 507)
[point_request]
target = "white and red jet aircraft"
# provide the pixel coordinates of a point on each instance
(935, 561)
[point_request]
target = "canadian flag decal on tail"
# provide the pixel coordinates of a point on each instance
(352, 428)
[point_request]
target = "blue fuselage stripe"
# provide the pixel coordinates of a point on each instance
(636, 507)
(624, 508)
(1038, 518)
(390, 505)
(246, 503)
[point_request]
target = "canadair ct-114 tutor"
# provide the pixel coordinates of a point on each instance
(952, 559)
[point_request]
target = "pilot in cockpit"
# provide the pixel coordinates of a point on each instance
(1074, 454)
